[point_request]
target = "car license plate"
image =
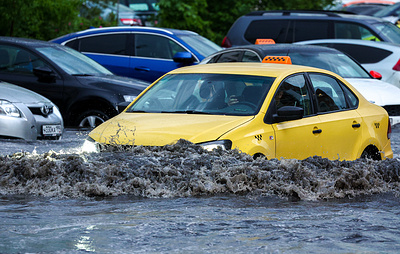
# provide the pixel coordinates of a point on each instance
(51, 130)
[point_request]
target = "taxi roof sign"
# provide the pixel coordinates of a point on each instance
(264, 41)
(277, 59)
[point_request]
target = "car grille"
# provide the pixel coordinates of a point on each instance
(41, 110)
(393, 110)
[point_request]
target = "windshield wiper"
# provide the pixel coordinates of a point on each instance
(137, 111)
(188, 112)
(171, 112)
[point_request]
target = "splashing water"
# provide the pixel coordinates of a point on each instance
(185, 170)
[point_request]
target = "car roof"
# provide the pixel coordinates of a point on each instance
(306, 14)
(265, 49)
(27, 41)
(378, 44)
(256, 69)
(167, 31)
(268, 48)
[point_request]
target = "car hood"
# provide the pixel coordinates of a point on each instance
(120, 84)
(379, 92)
(159, 129)
(14, 93)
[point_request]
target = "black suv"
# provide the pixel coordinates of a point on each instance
(86, 93)
(294, 26)
(147, 10)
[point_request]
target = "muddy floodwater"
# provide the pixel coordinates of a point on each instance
(181, 199)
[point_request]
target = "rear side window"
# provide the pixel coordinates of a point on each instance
(267, 29)
(284, 31)
(304, 30)
(73, 44)
(351, 98)
(114, 44)
(363, 54)
(249, 56)
(234, 56)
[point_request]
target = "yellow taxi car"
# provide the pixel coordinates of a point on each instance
(262, 109)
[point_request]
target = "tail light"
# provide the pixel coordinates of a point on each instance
(226, 43)
(131, 22)
(389, 131)
(397, 66)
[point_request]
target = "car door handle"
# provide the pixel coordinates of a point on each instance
(140, 68)
(356, 125)
(318, 131)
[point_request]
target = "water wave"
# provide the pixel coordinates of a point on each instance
(185, 169)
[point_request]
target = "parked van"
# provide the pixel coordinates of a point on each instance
(294, 26)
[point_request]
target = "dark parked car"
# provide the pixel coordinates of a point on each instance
(85, 92)
(110, 11)
(294, 26)
(144, 53)
(390, 13)
(147, 10)
(364, 8)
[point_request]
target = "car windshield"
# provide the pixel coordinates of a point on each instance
(202, 45)
(389, 30)
(340, 64)
(219, 94)
(73, 62)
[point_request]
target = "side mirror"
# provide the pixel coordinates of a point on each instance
(376, 75)
(45, 74)
(183, 57)
(288, 113)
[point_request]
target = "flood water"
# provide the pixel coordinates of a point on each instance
(180, 199)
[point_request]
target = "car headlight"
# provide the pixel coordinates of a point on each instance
(90, 146)
(8, 109)
(223, 144)
(129, 98)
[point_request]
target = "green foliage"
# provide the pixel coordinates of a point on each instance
(212, 19)
(222, 14)
(292, 4)
(47, 19)
(182, 14)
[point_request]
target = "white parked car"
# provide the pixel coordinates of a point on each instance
(379, 92)
(27, 115)
(382, 57)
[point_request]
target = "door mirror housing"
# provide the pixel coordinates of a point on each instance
(183, 57)
(45, 74)
(288, 113)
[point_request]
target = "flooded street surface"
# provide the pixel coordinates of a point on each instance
(180, 199)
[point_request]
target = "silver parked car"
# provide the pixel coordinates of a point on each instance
(27, 115)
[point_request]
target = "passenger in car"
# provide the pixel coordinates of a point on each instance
(325, 102)
(212, 96)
